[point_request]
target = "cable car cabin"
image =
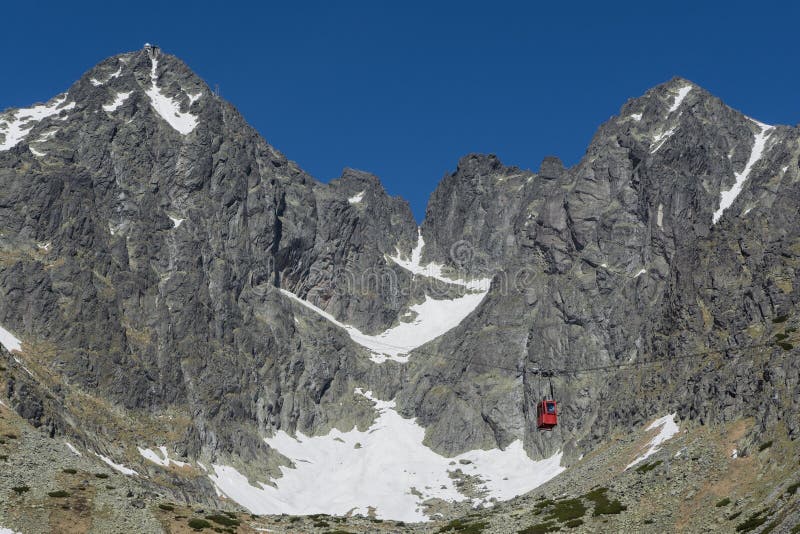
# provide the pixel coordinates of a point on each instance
(546, 415)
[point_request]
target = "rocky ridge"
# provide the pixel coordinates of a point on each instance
(147, 230)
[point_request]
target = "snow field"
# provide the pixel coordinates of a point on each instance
(22, 121)
(386, 467)
(169, 108)
(727, 197)
(9, 340)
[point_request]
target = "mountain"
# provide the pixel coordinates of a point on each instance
(188, 310)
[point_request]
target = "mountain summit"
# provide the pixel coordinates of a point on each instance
(185, 307)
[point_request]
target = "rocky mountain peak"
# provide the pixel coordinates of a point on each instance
(551, 168)
(162, 266)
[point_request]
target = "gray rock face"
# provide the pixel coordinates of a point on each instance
(140, 266)
(617, 260)
(146, 259)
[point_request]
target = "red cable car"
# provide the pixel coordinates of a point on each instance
(546, 414)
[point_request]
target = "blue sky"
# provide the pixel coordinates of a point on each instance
(404, 89)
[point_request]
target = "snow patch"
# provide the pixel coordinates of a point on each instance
(9, 340)
(660, 139)
(433, 318)
(22, 121)
(46, 136)
(36, 153)
(119, 99)
(660, 216)
(175, 222)
(117, 467)
(4, 530)
(435, 270)
(727, 197)
(386, 467)
(75, 451)
(735, 454)
(760, 124)
(640, 273)
(682, 92)
(163, 460)
(636, 116)
(355, 199)
(168, 108)
(98, 83)
(19, 362)
(194, 98)
(667, 428)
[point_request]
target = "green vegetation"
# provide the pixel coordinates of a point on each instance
(567, 510)
(785, 346)
(459, 525)
(795, 529)
(769, 528)
(734, 516)
(648, 521)
(791, 490)
(781, 337)
(753, 522)
(573, 523)
(19, 490)
(724, 502)
(541, 528)
(225, 521)
(4, 457)
(167, 507)
(780, 319)
(101, 475)
(70, 471)
(602, 504)
(644, 468)
(199, 524)
(320, 524)
(294, 519)
(60, 494)
(764, 446)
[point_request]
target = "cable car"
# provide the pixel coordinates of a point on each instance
(546, 414)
